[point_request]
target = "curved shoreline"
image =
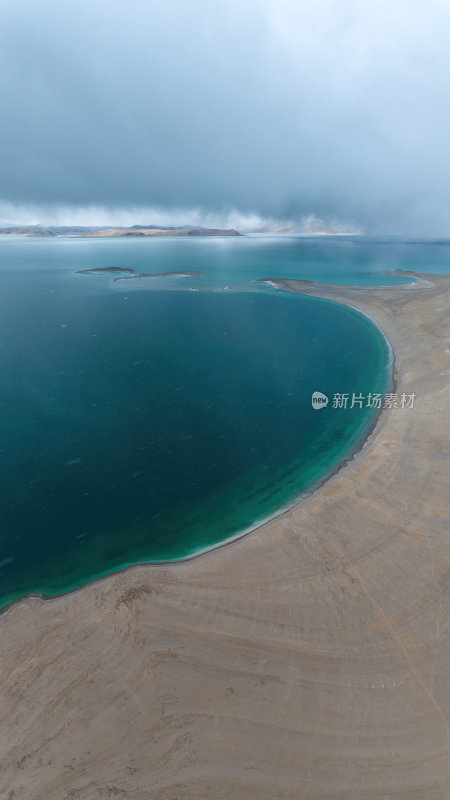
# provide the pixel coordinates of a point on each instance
(314, 657)
(347, 458)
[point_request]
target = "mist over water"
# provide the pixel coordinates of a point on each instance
(229, 262)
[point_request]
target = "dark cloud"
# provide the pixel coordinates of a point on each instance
(283, 109)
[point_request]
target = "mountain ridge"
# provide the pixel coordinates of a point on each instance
(96, 232)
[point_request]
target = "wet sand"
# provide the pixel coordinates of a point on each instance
(308, 660)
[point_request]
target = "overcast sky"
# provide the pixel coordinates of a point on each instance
(181, 110)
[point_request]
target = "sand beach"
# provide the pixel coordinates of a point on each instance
(309, 660)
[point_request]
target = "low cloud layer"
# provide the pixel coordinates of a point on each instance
(214, 112)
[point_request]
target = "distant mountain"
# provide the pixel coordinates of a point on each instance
(100, 232)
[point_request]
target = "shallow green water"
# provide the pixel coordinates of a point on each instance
(149, 425)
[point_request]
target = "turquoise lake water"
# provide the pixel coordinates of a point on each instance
(139, 423)
(235, 261)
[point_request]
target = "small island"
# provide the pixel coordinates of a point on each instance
(126, 273)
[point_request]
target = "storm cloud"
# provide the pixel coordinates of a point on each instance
(280, 109)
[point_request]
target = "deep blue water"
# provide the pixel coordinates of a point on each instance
(141, 425)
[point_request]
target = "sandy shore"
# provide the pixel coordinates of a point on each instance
(309, 660)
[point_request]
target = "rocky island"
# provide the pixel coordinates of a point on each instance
(125, 273)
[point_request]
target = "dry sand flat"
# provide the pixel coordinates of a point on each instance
(309, 660)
